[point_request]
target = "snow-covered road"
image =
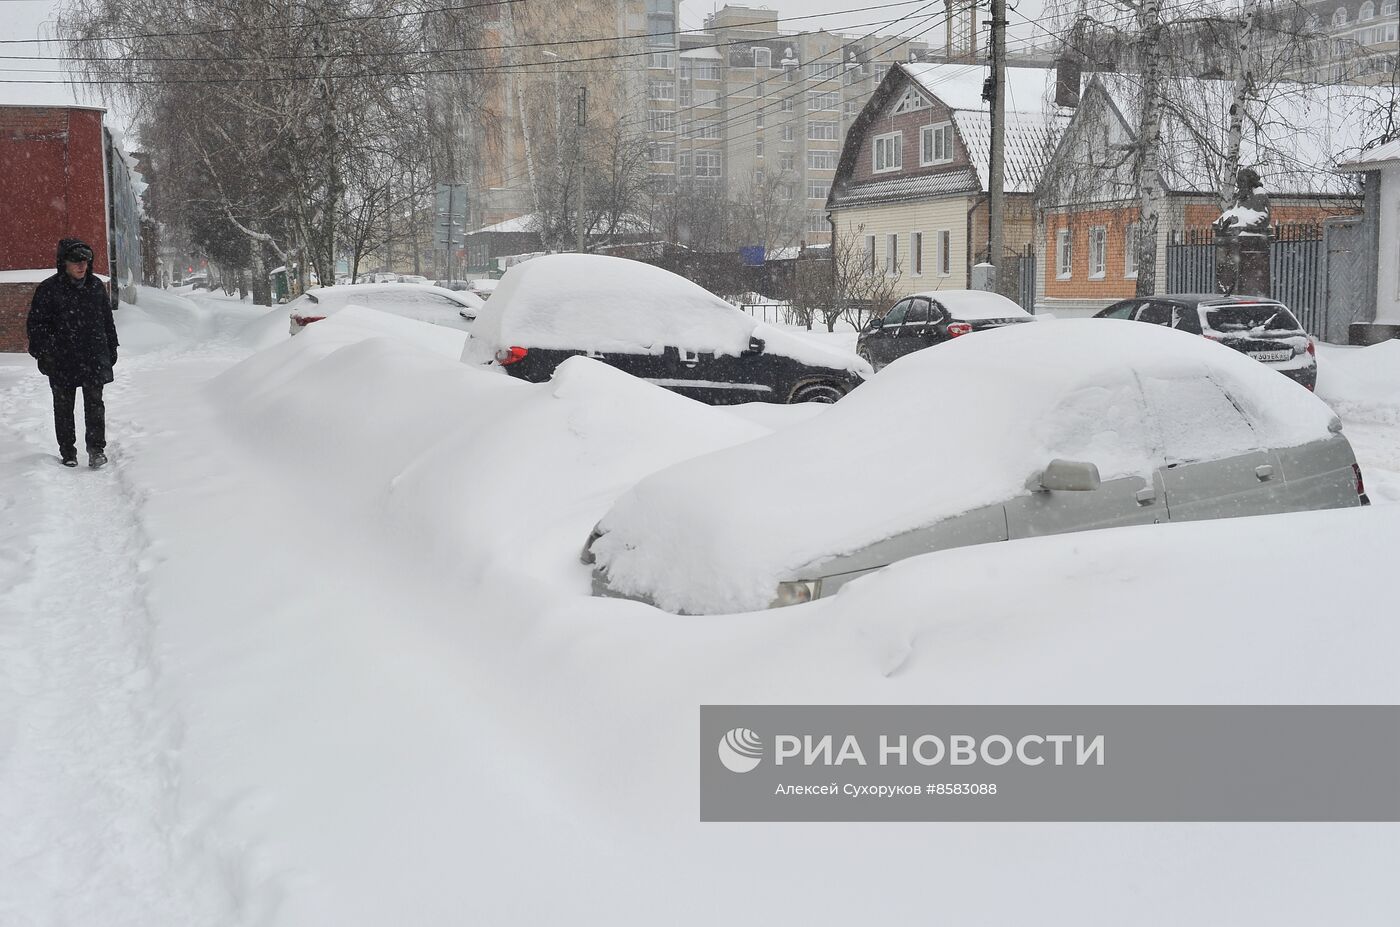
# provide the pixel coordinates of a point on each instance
(293, 667)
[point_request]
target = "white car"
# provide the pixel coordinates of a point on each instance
(414, 278)
(413, 301)
(1021, 431)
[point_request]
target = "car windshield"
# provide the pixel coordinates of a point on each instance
(1232, 320)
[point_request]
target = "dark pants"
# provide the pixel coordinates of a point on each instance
(94, 417)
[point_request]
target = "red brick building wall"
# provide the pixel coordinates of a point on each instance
(52, 186)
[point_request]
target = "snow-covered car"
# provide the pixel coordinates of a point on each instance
(1028, 430)
(412, 301)
(922, 320)
(652, 324)
(414, 278)
(1264, 329)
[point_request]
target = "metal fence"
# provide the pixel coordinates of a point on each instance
(1297, 269)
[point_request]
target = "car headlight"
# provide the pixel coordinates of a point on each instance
(796, 592)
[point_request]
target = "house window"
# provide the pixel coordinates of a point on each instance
(705, 70)
(911, 101)
(892, 255)
(1130, 251)
(821, 160)
(707, 98)
(823, 101)
(1389, 7)
(661, 90)
(789, 104)
(660, 120)
(822, 131)
(758, 120)
(916, 253)
(870, 254)
(758, 177)
(1098, 245)
(762, 57)
(704, 128)
(1339, 18)
(817, 189)
(663, 152)
(1063, 268)
(788, 133)
(816, 222)
(664, 60)
(758, 149)
(1368, 12)
(787, 161)
(945, 257)
(888, 152)
(707, 164)
(936, 144)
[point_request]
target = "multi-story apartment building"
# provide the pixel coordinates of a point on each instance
(1360, 41)
(755, 113)
(745, 110)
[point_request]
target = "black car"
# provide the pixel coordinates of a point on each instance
(1262, 328)
(652, 324)
(926, 319)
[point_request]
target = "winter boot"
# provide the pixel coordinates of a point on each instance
(70, 458)
(95, 459)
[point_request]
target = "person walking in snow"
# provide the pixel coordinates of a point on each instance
(73, 337)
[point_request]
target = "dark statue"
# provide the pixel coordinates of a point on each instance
(1242, 239)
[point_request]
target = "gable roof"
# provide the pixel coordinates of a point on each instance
(1296, 147)
(1381, 154)
(1031, 132)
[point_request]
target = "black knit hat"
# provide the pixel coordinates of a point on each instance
(72, 249)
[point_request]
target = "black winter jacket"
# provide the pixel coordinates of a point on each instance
(71, 332)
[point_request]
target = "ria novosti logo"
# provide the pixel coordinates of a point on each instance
(740, 750)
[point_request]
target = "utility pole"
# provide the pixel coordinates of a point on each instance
(580, 121)
(996, 172)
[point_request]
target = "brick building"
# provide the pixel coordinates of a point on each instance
(912, 182)
(52, 185)
(1087, 196)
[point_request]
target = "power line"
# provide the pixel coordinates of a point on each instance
(423, 13)
(466, 69)
(366, 17)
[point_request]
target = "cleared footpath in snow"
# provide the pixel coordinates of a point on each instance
(91, 827)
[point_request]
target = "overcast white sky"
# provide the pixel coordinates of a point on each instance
(30, 19)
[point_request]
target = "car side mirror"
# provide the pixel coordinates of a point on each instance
(756, 346)
(1062, 475)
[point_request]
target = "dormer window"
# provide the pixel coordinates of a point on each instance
(762, 57)
(912, 100)
(1339, 18)
(1368, 12)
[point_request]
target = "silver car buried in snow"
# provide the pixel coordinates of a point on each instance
(1024, 431)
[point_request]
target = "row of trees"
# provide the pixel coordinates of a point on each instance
(292, 131)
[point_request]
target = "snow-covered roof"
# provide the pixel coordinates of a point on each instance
(518, 224)
(959, 86)
(1308, 130)
(707, 52)
(1390, 151)
(1030, 141)
(899, 189)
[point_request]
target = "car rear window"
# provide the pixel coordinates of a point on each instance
(1232, 320)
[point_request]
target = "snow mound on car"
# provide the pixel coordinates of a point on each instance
(591, 302)
(938, 433)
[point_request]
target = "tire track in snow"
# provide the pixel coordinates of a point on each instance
(90, 823)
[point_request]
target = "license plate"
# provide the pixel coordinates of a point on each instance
(1271, 357)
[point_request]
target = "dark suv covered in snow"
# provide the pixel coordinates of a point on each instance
(655, 325)
(1261, 328)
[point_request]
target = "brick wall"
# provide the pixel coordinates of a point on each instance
(14, 308)
(909, 125)
(1115, 283)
